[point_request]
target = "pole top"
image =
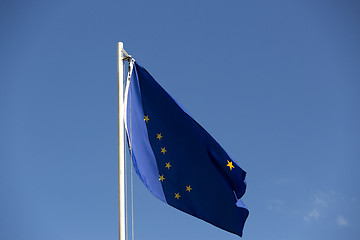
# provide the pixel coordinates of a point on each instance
(125, 56)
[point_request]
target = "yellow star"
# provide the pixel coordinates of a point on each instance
(163, 150)
(161, 178)
(168, 166)
(159, 136)
(177, 196)
(230, 165)
(188, 188)
(146, 118)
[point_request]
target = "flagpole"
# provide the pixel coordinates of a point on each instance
(121, 142)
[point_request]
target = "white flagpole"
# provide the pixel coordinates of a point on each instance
(121, 141)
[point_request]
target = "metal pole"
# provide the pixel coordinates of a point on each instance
(121, 142)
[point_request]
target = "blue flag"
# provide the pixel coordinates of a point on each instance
(178, 160)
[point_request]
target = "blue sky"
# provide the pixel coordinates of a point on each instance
(275, 82)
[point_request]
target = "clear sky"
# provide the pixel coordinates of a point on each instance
(277, 83)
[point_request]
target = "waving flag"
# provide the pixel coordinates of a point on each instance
(178, 161)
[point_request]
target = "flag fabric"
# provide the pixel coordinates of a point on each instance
(178, 160)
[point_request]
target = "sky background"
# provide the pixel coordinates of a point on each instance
(276, 83)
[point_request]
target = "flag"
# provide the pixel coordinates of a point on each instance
(178, 160)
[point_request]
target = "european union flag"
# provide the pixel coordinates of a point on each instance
(178, 160)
